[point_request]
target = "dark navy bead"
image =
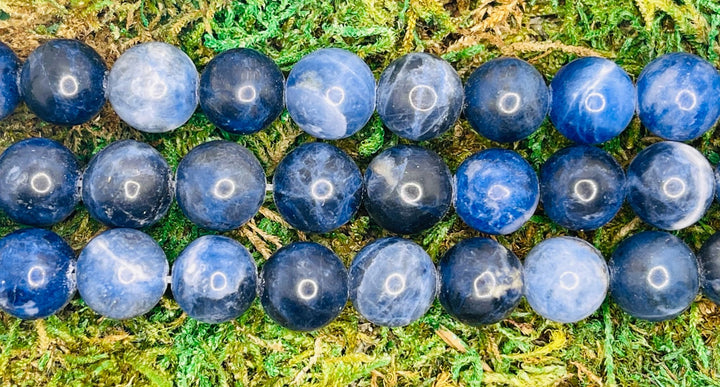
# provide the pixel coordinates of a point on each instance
(507, 99)
(419, 96)
(304, 286)
(9, 75)
(709, 262)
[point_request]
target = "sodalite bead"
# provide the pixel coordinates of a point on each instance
(153, 87)
(408, 189)
(220, 185)
(9, 73)
(241, 91)
(38, 182)
(677, 96)
(304, 286)
(36, 279)
(481, 281)
(507, 99)
(330, 93)
(317, 187)
(593, 100)
(497, 191)
(654, 276)
(63, 82)
(582, 187)
(566, 279)
(214, 279)
(670, 185)
(709, 262)
(419, 96)
(127, 184)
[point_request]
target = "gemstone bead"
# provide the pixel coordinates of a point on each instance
(9, 75)
(709, 262)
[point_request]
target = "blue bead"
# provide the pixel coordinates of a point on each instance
(670, 185)
(9, 75)
(330, 93)
(497, 191)
(304, 286)
(220, 185)
(408, 189)
(717, 182)
(481, 281)
(153, 87)
(678, 96)
(63, 82)
(419, 96)
(241, 91)
(38, 182)
(709, 262)
(121, 273)
(566, 279)
(507, 100)
(593, 100)
(582, 187)
(653, 276)
(36, 279)
(127, 184)
(214, 279)
(317, 188)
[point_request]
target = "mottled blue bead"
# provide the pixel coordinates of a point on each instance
(220, 185)
(37, 278)
(304, 286)
(38, 182)
(670, 185)
(330, 93)
(717, 182)
(214, 279)
(419, 96)
(653, 276)
(566, 279)
(127, 184)
(121, 273)
(678, 96)
(153, 87)
(506, 99)
(9, 75)
(393, 282)
(497, 191)
(593, 100)
(63, 82)
(241, 91)
(709, 262)
(408, 189)
(317, 187)
(481, 281)
(582, 187)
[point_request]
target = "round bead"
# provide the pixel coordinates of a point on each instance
(220, 185)
(419, 96)
(9, 75)
(317, 187)
(330, 93)
(709, 262)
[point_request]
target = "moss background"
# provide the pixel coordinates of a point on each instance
(164, 347)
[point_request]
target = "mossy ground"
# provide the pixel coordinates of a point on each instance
(78, 347)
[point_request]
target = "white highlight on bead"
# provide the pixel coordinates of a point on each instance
(586, 190)
(36, 276)
(498, 192)
(246, 93)
(658, 277)
(307, 289)
(224, 188)
(394, 284)
(411, 192)
(595, 102)
(321, 189)
(335, 95)
(126, 275)
(686, 100)
(569, 280)
(484, 284)
(419, 100)
(131, 188)
(69, 86)
(509, 103)
(41, 183)
(149, 87)
(673, 187)
(218, 281)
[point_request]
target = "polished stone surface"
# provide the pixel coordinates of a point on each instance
(37, 278)
(214, 279)
(419, 96)
(593, 100)
(670, 185)
(481, 281)
(317, 187)
(330, 93)
(566, 279)
(653, 276)
(506, 99)
(241, 91)
(9, 75)
(709, 268)
(38, 182)
(407, 189)
(582, 187)
(304, 286)
(393, 282)
(63, 82)
(153, 87)
(496, 191)
(220, 185)
(678, 96)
